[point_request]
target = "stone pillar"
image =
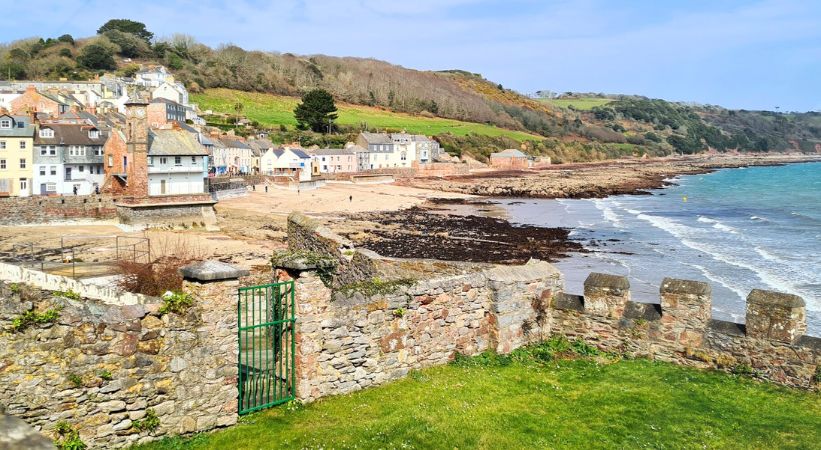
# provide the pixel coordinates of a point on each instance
(774, 315)
(686, 310)
(606, 295)
(211, 368)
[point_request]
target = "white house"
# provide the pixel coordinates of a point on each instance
(333, 160)
(177, 163)
(382, 150)
(231, 156)
(286, 162)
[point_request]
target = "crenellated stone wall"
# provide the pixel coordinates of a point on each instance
(101, 366)
(680, 329)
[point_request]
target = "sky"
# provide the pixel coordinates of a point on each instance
(762, 54)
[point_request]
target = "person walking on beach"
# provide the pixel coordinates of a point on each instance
(350, 198)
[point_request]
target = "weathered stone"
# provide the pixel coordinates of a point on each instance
(212, 271)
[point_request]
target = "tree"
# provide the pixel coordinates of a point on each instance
(131, 45)
(317, 111)
(67, 38)
(97, 57)
(127, 26)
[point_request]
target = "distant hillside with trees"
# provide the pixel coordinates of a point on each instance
(574, 126)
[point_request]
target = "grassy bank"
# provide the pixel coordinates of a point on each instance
(538, 401)
(581, 104)
(275, 110)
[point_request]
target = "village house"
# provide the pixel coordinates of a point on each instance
(177, 163)
(510, 159)
(162, 111)
(68, 159)
(34, 101)
(333, 160)
(383, 150)
(231, 156)
(287, 161)
(16, 155)
(259, 147)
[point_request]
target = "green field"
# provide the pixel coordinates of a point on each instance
(581, 104)
(275, 110)
(537, 401)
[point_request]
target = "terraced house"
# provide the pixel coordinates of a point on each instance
(16, 157)
(68, 159)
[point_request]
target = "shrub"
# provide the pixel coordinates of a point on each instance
(105, 375)
(67, 437)
(69, 294)
(148, 423)
(176, 302)
(375, 286)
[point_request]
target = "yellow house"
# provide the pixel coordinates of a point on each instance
(16, 155)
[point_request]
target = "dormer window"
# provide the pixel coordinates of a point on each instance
(46, 133)
(93, 134)
(5, 123)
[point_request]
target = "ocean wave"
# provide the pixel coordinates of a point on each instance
(770, 256)
(759, 219)
(738, 290)
(608, 213)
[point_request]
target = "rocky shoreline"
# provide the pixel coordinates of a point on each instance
(429, 233)
(595, 180)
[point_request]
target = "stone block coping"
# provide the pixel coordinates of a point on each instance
(212, 271)
(674, 286)
(778, 299)
(167, 204)
(603, 280)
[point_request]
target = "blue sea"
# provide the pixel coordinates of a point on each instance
(738, 229)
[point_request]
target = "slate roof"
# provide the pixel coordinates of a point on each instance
(509, 153)
(173, 143)
(377, 138)
(300, 153)
(15, 130)
(69, 134)
(331, 152)
(233, 143)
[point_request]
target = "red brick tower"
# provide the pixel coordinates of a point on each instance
(136, 134)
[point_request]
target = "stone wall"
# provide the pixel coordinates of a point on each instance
(680, 329)
(40, 209)
(188, 214)
(101, 366)
(350, 341)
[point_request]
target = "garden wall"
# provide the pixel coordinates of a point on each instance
(41, 209)
(771, 345)
(101, 366)
(377, 319)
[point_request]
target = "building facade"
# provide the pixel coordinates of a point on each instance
(16, 155)
(68, 159)
(333, 160)
(177, 163)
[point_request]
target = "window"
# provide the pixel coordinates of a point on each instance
(53, 170)
(110, 160)
(5, 123)
(81, 169)
(46, 133)
(22, 163)
(98, 151)
(24, 184)
(2, 164)
(52, 150)
(21, 125)
(2, 145)
(93, 134)
(43, 150)
(163, 161)
(42, 171)
(178, 160)
(193, 160)
(22, 145)
(150, 161)
(51, 187)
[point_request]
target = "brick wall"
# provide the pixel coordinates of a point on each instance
(21, 210)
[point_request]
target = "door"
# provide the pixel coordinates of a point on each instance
(43, 189)
(162, 187)
(68, 173)
(267, 345)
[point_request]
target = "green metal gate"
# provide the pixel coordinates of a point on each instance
(267, 345)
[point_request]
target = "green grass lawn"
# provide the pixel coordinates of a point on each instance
(581, 104)
(556, 404)
(275, 110)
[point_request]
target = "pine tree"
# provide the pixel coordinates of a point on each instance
(317, 111)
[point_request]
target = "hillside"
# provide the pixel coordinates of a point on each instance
(470, 114)
(275, 110)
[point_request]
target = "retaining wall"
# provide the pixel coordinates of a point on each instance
(22, 210)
